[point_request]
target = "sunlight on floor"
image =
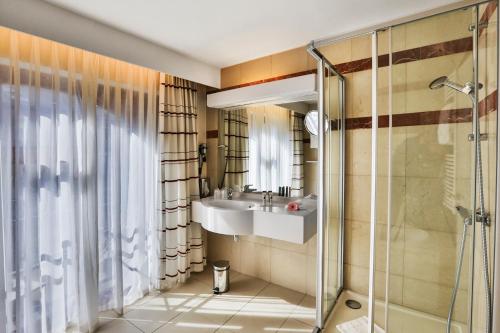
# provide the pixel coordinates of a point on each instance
(252, 305)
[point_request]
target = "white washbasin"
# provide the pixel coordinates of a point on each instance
(230, 204)
(244, 215)
(228, 217)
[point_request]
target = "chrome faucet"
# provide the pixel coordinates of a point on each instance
(267, 198)
(248, 189)
(264, 198)
(229, 193)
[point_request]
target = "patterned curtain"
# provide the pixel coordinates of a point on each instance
(181, 248)
(236, 141)
(297, 135)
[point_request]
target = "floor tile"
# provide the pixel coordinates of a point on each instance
(253, 319)
(274, 291)
(147, 326)
(118, 326)
(189, 322)
(220, 308)
(192, 287)
(159, 309)
(266, 312)
(109, 314)
(294, 326)
(244, 285)
(305, 312)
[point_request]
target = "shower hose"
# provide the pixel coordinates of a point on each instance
(484, 246)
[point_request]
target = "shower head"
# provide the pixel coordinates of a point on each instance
(438, 83)
(442, 81)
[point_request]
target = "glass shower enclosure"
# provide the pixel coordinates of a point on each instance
(441, 182)
(434, 166)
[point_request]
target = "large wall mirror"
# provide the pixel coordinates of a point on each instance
(264, 147)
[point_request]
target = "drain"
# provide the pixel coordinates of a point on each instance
(353, 304)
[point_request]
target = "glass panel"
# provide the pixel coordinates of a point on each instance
(383, 229)
(487, 69)
(431, 175)
(333, 88)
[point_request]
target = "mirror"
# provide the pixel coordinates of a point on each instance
(311, 122)
(265, 147)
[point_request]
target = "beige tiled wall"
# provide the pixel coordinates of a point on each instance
(283, 263)
(288, 62)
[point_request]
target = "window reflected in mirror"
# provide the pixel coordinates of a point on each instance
(267, 148)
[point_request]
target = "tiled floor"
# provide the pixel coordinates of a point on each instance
(252, 305)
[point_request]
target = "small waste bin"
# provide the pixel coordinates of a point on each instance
(221, 276)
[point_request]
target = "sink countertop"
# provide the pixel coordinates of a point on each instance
(245, 215)
(278, 207)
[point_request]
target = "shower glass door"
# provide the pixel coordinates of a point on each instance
(330, 187)
(443, 84)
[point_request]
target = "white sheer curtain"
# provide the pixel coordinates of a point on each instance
(77, 184)
(270, 147)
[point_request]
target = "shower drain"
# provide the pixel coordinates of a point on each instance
(353, 304)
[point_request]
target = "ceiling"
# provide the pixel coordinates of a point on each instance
(227, 32)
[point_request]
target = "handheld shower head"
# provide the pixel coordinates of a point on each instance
(463, 212)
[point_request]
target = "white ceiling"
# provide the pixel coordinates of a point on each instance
(227, 32)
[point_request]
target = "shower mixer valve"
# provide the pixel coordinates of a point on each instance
(483, 218)
(466, 215)
(482, 137)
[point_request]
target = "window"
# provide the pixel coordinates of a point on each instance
(269, 147)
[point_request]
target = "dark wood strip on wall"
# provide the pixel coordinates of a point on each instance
(399, 57)
(212, 134)
(463, 115)
(276, 78)
(485, 18)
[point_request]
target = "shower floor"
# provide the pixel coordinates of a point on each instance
(252, 305)
(401, 319)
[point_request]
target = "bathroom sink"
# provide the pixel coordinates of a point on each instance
(230, 204)
(245, 215)
(228, 217)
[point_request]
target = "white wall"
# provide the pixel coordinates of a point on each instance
(42, 19)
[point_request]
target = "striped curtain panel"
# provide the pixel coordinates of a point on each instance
(180, 241)
(236, 142)
(297, 139)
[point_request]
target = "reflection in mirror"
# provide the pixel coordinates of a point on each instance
(235, 148)
(266, 147)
